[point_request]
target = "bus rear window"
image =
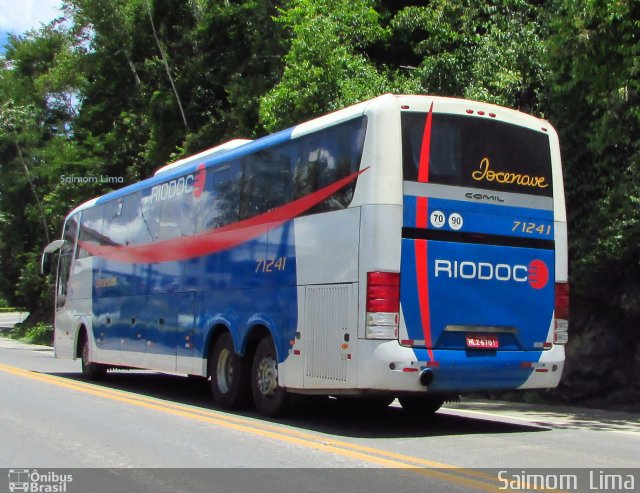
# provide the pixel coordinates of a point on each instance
(479, 153)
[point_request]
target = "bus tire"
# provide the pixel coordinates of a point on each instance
(421, 406)
(229, 374)
(90, 370)
(269, 398)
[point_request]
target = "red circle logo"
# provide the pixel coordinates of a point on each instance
(538, 274)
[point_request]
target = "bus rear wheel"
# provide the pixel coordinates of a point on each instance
(229, 375)
(269, 398)
(421, 406)
(90, 370)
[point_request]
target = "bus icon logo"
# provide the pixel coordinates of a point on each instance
(18, 480)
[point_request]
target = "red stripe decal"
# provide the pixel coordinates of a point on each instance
(218, 239)
(421, 250)
(422, 212)
(423, 167)
(422, 277)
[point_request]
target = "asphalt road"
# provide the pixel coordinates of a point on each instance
(142, 431)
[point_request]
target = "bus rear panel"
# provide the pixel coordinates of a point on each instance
(478, 262)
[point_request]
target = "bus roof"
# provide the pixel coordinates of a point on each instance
(204, 155)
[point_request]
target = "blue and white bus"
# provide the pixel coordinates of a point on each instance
(409, 247)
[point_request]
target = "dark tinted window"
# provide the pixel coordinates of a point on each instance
(69, 235)
(327, 156)
(266, 180)
(146, 223)
(90, 229)
(219, 203)
(170, 219)
(479, 153)
(66, 256)
(119, 217)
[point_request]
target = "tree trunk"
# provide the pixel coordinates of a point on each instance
(33, 188)
(166, 67)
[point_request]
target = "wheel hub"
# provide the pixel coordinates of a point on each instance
(224, 371)
(267, 376)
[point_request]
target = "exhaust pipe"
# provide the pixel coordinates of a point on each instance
(426, 377)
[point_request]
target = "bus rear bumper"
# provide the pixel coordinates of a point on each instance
(389, 366)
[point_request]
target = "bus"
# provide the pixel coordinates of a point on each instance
(410, 247)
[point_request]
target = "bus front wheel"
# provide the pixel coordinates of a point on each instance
(229, 374)
(268, 396)
(90, 370)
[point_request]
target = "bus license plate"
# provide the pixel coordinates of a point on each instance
(483, 341)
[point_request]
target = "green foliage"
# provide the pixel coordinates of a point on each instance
(40, 333)
(595, 61)
(343, 52)
(327, 67)
(594, 93)
(31, 117)
(487, 51)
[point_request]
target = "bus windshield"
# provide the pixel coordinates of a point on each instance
(479, 153)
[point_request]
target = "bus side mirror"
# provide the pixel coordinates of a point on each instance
(45, 263)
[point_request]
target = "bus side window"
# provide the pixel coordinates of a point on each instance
(186, 213)
(327, 157)
(306, 176)
(146, 223)
(219, 203)
(90, 229)
(170, 219)
(267, 182)
(120, 216)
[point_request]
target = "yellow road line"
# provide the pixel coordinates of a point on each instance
(368, 454)
(117, 394)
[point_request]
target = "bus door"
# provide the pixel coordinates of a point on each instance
(477, 268)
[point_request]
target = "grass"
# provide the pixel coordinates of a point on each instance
(40, 333)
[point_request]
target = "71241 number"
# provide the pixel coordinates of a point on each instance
(531, 228)
(271, 265)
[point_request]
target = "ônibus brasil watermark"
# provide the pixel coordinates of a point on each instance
(75, 180)
(110, 480)
(33, 481)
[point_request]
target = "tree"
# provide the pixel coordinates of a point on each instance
(34, 114)
(327, 66)
(238, 59)
(594, 59)
(165, 63)
(13, 122)
(343, 52)
(488, 51)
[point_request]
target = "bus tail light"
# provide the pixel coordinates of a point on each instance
(383, 305)
(561, 329)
